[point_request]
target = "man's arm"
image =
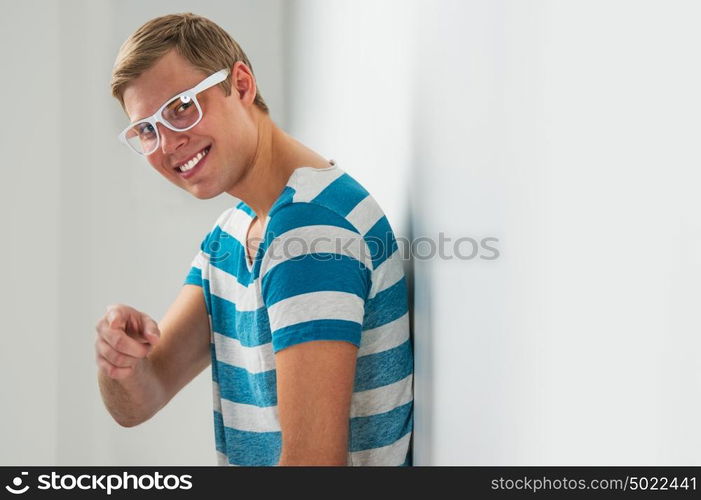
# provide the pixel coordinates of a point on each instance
(137, 379)
(315, 385)
(316, 309)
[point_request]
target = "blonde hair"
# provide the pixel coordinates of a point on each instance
(203, 43)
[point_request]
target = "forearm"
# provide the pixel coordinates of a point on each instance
(314, 442)
(134, 399)
(338, 458)
(315, 386)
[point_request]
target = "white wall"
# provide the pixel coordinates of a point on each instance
(569, 130)
(30, 241)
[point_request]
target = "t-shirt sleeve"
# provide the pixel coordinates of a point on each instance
(209, 250)
(194, 275)
(315, 276)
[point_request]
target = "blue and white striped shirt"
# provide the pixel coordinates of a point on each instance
(328, 268)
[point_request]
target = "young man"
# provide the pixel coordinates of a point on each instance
(297, 296)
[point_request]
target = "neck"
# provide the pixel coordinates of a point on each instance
(268, 171)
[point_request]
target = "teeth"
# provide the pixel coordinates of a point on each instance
(194, 161)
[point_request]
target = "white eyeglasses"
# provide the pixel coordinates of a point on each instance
(178, 114)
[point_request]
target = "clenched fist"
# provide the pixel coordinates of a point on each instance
(125, 337)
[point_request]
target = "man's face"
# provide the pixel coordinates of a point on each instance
(225, 137)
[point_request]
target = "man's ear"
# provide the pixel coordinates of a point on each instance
(243, 83)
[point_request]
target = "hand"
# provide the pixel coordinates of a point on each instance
(125, 337)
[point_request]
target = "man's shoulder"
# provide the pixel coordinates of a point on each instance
(315, 195)
(229, 221)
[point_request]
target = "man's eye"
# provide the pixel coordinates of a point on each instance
(146, 130)
(183, 106)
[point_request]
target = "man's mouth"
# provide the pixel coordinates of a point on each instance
(192, 162)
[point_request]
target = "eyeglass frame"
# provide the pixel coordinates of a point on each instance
(157, 117)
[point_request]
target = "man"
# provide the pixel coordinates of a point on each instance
(297, 296)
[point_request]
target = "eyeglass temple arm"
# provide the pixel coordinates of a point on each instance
(211, 80)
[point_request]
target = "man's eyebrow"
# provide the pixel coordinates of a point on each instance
(134, 122)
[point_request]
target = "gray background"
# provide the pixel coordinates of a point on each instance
(567, 129)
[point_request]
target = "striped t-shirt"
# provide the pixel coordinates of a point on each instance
(328, 268)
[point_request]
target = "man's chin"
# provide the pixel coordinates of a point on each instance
(204, 194)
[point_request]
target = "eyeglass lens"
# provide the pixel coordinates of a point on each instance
(180, 113)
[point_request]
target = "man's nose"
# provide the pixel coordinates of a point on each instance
(170, 139)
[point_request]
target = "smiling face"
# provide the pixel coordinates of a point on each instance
(217, 152)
